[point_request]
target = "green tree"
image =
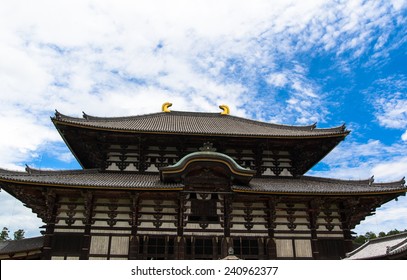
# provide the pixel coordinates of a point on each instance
(4, 234)
(370, 235)
(393, 232)
(382, 234)
(360, 239)
(19, 234)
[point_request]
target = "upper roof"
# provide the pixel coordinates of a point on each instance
(194, 123)
(379, 248)
(304, 185)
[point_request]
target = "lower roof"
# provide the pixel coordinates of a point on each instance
(95, 179)
(380, 248)
(23, 245)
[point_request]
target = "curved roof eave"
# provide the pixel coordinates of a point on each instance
(232, 126)
(94, 179)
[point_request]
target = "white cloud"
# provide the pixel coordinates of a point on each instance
(394, 168)
(389, 97)
(25, 135)
(394, 112)
(15, 216)
(388, 217)
(354, 160)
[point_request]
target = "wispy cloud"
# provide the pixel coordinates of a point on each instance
(18, 216)
(388, 217)
(355, 160)
(389, 98)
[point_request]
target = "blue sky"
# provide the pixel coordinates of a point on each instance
(290, 62)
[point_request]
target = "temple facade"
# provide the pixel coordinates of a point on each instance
(187, 185)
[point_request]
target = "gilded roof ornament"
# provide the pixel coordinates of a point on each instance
(165, 107)
(225, 108)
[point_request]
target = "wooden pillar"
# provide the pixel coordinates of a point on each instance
(180, 217)
(180, 242)
(179, 250)
(86, 241)
(260, 244)
(227, 211)
(345, 215)
(313, 212)
(225, 244)
(271, 249)
(134, 241)
(215, 248)
(270, 243)
(51, 210)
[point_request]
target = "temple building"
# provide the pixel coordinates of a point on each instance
(188, 185)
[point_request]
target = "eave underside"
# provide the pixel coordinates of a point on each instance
(92, 147)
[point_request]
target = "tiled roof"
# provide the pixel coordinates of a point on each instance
(91, 178)
(316, 185)
(23, 245)
(197, 124)
(384, 247)
(112, 180)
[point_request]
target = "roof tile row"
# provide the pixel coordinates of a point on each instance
(198, 123)
(112, 180)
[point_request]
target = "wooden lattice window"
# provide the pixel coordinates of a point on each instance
(246, 248)
(200, 248)
(160, 247)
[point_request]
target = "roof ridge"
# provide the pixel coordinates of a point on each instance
(8, 171)
(96, 118)
(59, 116)
(30, 243)
(401, 181)
(35, 171)
(325, 179)
(369, 181)
(358, 249)
(402, 247)
(389, 237)
(25, 239)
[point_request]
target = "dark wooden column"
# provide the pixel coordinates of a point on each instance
(179, 242)
(271, 217)
(180, 247)
(313, 212)
(227, 211)
(88, 201)
(50, 220)
(346, 211)
(258, 159)
(134, 241)
(142, 164)
(180, 218)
